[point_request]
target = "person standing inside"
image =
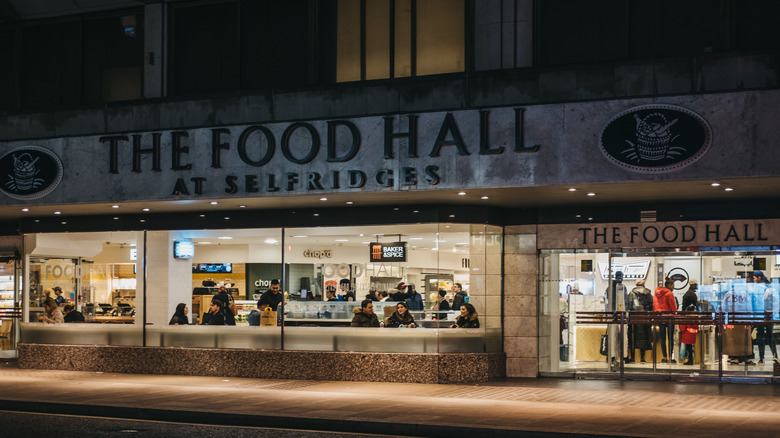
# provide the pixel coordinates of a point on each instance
(272, 297)
(640, 299)
(413, 298)
(459, 296)
(59, 298)
(663, 301)
(688, 338)
(441, 304)
(345, 290)
(230, 305)
(364, 315)
(690, 297)
(764, 332)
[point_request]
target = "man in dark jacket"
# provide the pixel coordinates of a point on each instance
(459, 298)
(365, 317)
(272, 297)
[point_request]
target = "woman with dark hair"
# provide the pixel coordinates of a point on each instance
(180, 315)
(216, 313)
(401, 317)
(467, 318)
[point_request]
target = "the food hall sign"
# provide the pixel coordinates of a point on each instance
(279, 157)
(661, 234)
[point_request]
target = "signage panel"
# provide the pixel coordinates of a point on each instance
(387, 252)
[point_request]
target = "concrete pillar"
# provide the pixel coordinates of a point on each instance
(520, 301)
(168, 280)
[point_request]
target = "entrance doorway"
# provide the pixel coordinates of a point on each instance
(595, 320)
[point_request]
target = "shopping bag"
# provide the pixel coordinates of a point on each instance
(604, 347)
(268, 317)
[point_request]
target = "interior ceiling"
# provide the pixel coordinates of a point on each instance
(33, 9)
(517, 197)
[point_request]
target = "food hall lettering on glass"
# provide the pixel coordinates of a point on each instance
(675, 233)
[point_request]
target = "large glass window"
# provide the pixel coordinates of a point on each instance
(402, 38)
(131, 283)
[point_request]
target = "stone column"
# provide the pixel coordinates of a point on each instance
(521, 343)
(168, 280)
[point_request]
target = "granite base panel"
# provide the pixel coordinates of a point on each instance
(268, 364)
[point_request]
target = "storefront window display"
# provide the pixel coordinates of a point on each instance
(726, 286)
(132, 282)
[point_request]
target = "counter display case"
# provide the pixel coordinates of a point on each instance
(6, 291)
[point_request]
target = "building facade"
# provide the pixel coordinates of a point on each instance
(521, 149)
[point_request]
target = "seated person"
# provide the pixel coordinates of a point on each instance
(216, 314)
(52, 313)
(71, 314)
(401, 317)
(180, 315)
(254, 317)
(467, 318)
(364, 315)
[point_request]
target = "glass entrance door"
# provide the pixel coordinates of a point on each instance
(10, 304)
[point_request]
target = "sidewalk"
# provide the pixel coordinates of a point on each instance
(544, 407)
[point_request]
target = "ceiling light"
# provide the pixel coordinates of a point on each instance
(323, 199)
(416, 211)
(227, 218)
(271, 241)
(37, 220)
(242, 206)
(316, 214)
(145, 209)
(116, 218)
(349, 202)
(301, 236)
(484, 197)
(715, 184)
(203, 215)
(225, 237)
(434, 249)
(591, 194)
(25, 209)
(572, 189)
(205, 242)
(341, 240)
(452, 215)
(214, 202)
(64, 223)
(143, 220)
(728, 189)
(461, 193)
(57, 212)
(114, 206)
(415, 238)
(395, 209)
(579, 215)
(365, 243)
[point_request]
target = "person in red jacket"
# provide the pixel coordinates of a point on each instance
(688, 333)
(663, 301)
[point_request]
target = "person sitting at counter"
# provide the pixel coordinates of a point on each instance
(401, 317)
(467, 318)
(364, 315)
(216, 313)
(272, 297)
(180, 315)
(71, 314)
(53, 313)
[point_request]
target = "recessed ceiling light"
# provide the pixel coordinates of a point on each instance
(341, 240)
(301, 236)
(316, 214)
(227, 218)
(415, 238)
(205, 242)
(116, 218)
(115, 206)
(579, 215)
(461, 193)
(590, 218)
(64, 223)
(214, 203)
(395, 209)
(323, 199)
(484, 197)
(728, 189)
(434, 249)
(271, 241)
(225, 237)
(203, 215)
(572, 189)
(350, 202)
(57, 212)
(25, 209)
(591, 194)
(365, 243)
(416, 211)
(242, 206)
(715, 184)
(143, 220)
(145, 209)
(452, 215)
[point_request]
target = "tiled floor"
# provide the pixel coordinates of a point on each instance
(563, 406)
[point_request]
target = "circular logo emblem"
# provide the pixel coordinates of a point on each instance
(29, 172)
(656, 138)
